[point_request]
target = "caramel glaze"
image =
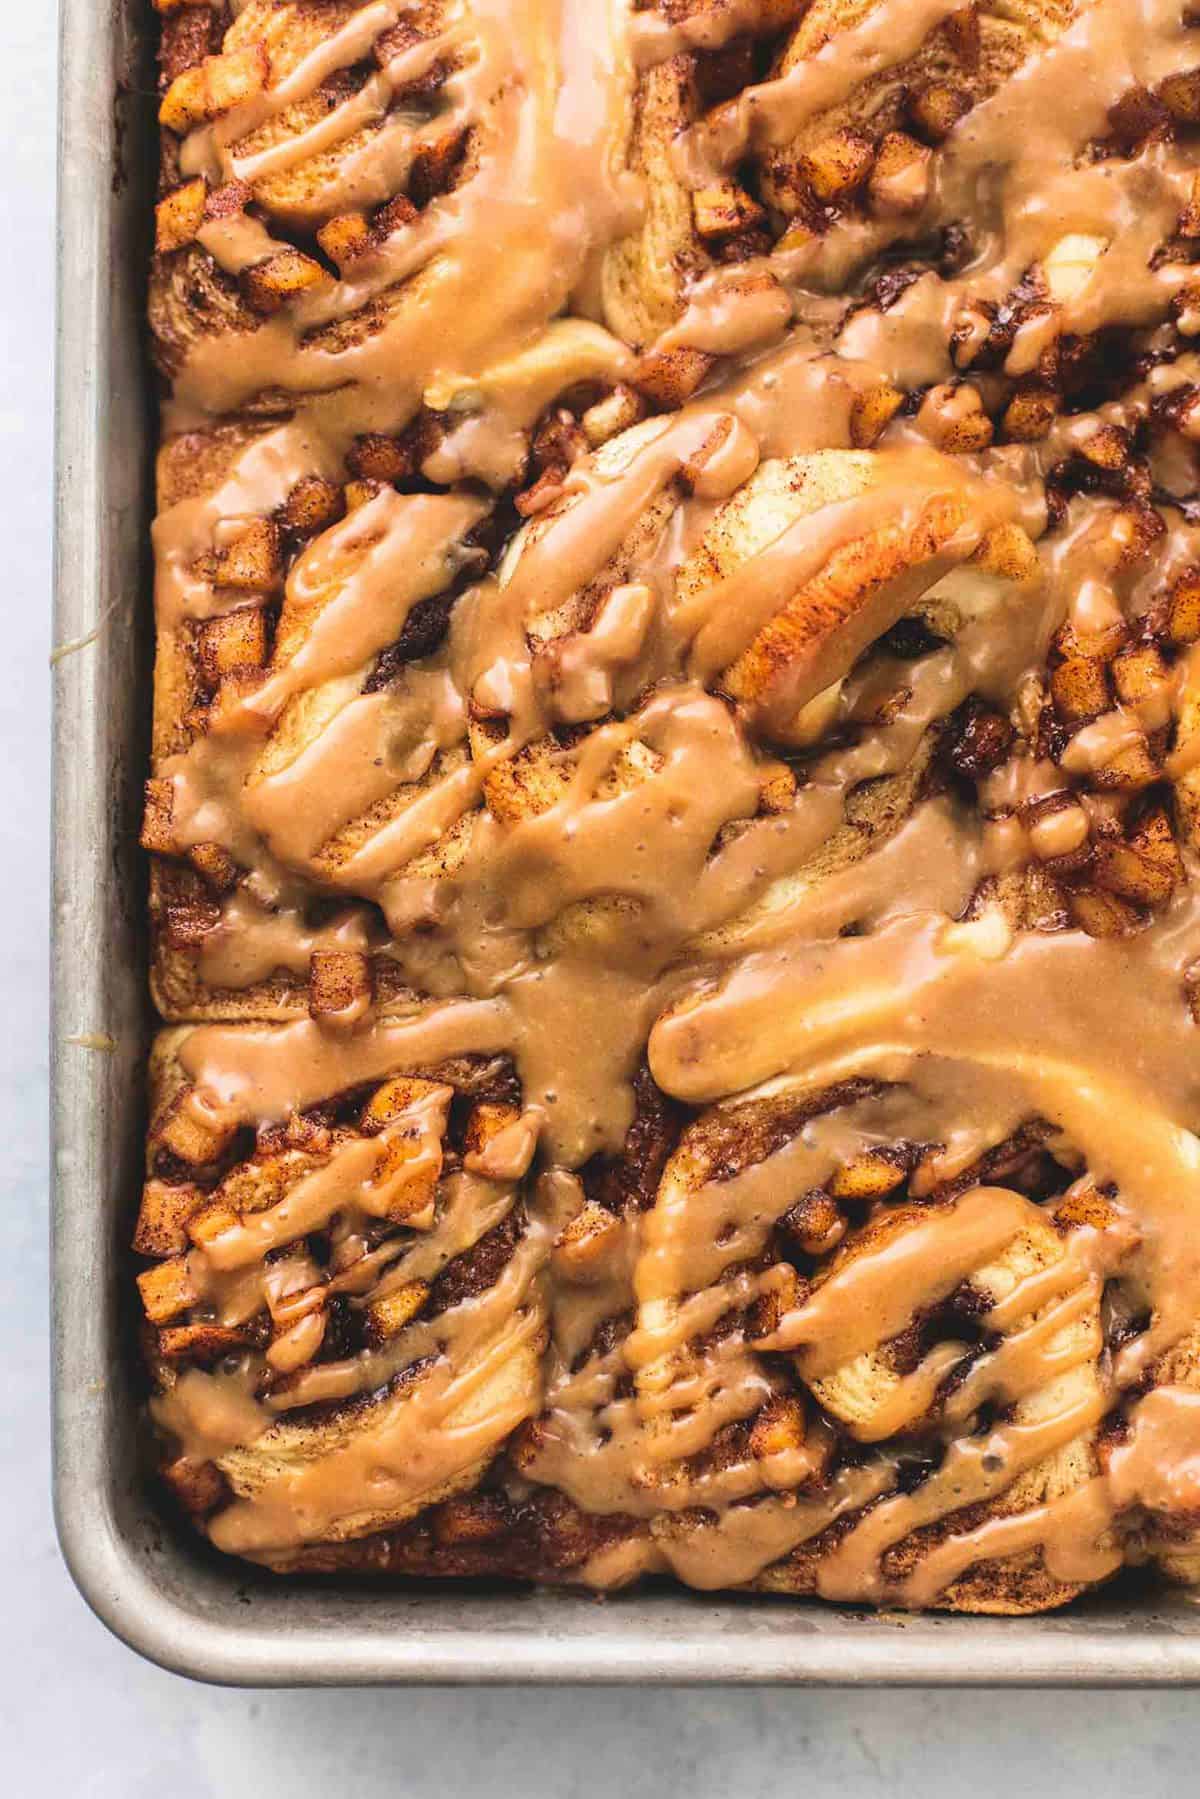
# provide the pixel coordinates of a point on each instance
(595, 736)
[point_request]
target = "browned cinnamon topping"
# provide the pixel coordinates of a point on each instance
(675, 801)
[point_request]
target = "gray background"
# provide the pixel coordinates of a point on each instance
(82, 1716)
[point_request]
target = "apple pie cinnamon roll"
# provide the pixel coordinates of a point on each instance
(311, 761)
(345, 1315)
(338, 178)
(675, 793)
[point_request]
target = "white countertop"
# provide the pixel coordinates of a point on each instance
(82, 1716)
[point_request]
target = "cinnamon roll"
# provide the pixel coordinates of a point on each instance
(345, 1316)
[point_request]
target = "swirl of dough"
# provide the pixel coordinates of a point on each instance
(1036, 1051)
(347, 1309)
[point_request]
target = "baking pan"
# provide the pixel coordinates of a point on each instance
(162, 1592)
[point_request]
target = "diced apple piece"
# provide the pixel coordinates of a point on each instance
(1030, 414)
(871, 412)
(161, 1228)
(937, 109)
(1139, 674)
(1147, 867)
(270, 284)
(214, 863)
(1129, 769)
(339, 985)
(780, 1426)
(396, 215)
(1180, 94)
(899, 181)
(868, 1176)
(375, 457)
(1102, 914)
(723, 209)
(312, 506)
(814, 1223)
(167, 1290)
(392, 1099)
(771, 1308)
(1183, 616)
(838, 164)
(212, 1221)
(583, 1246)
(231, 641)
(487, 1120)
(1079, 687)
(251, 560)
(432, 170)
(669, 378)
(179, 215)
(203, 1342)
(199, 1487)
(361, 493)
(345, 237)
(388, 1316)
(215, 85)
(776, 788)
(193, 1138)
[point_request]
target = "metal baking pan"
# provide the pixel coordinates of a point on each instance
(163, 1593)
